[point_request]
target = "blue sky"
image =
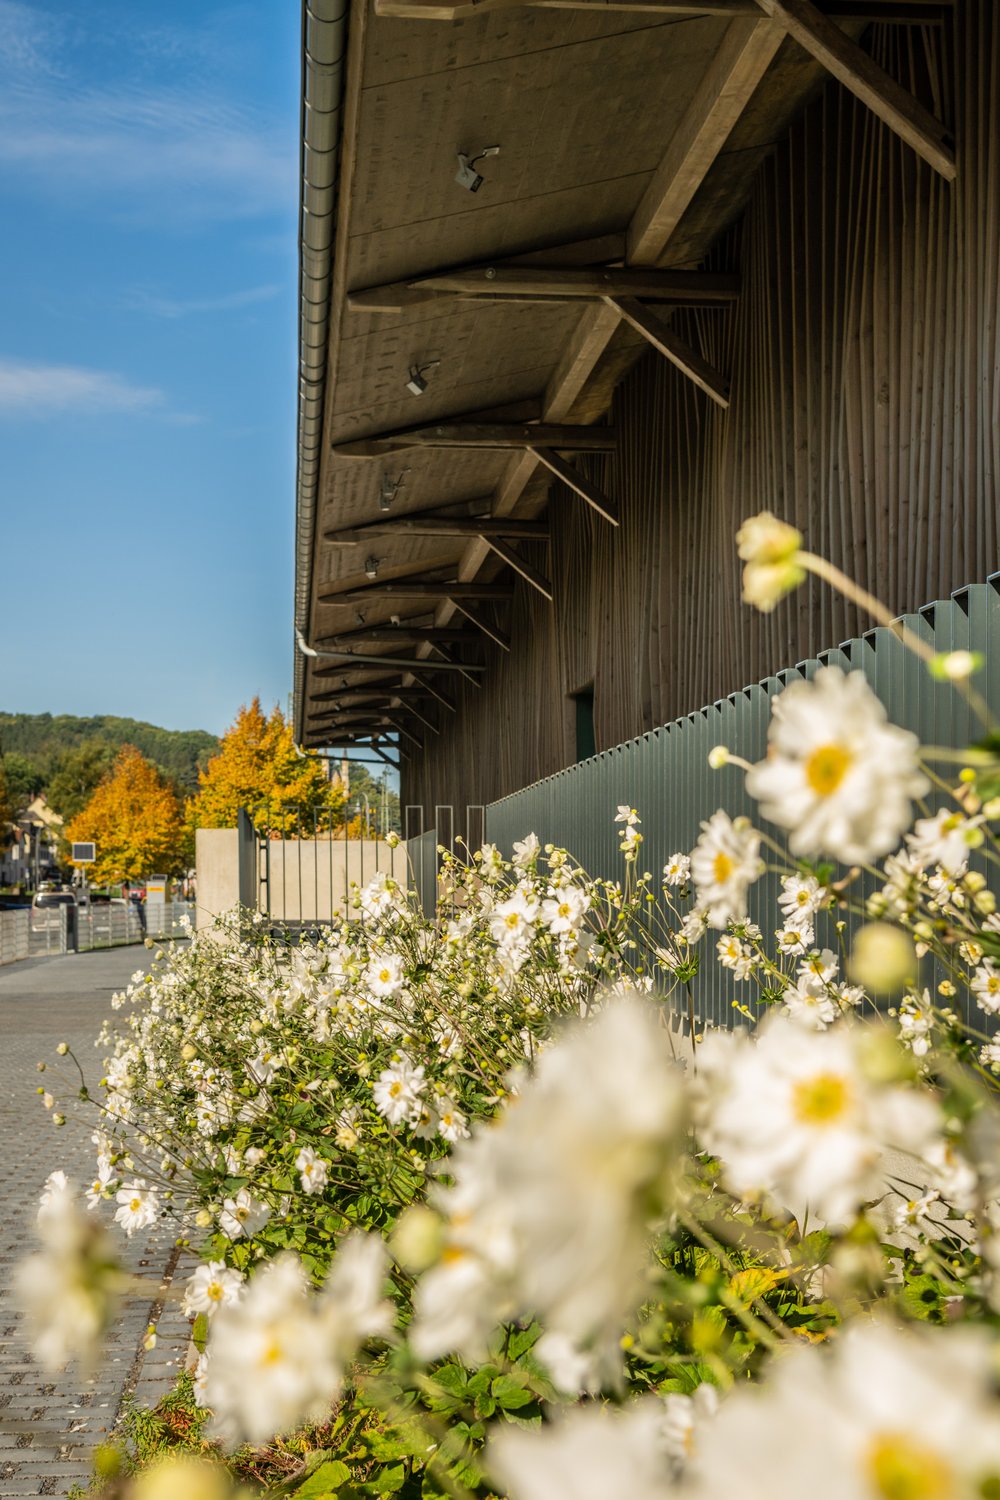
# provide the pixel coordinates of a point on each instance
(148, 192)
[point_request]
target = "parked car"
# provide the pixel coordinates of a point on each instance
(45, 907)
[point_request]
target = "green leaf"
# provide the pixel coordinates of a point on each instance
(511, 1393)
(386, 1483)
(324, 1481)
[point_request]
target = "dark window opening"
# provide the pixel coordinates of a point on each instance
(586, 740)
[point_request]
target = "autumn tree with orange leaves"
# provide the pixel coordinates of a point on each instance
(259, 767)
(135, 819)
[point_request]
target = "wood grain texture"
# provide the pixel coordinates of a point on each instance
(864, 358)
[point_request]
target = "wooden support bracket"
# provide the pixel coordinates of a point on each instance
(584, 487)
(656, 332)
(514, 560)
(823, 39)
(493, 632)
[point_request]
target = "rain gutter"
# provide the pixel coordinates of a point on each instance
(324, 55)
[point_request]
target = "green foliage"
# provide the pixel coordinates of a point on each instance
(44, 740)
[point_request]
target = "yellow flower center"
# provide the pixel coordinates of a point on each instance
(903, 1469)
(820, 1100)
(135, 1205)
(512, 918)
(395, 1089)
(722, 867)
(213, 1292)
(384, 975)
(826, 768)
(273, 1353)
(564, 909)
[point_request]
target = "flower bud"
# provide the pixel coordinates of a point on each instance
(718, 757)
(883, 959)
(62, 1048)
(189, 1052)
(770, 549)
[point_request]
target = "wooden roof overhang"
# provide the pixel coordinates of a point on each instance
(471, 340)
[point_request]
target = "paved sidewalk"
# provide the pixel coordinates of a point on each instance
(50, 1425)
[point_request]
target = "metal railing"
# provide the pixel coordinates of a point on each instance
(297, 867)
(14, 936)
(63, 929)
(665, 774)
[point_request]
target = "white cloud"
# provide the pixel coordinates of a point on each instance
(146, 146)
(29, 389)
(182, 307)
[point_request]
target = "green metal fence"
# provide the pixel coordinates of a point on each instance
(665, 774)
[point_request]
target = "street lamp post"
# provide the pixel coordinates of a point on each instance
(368, 812)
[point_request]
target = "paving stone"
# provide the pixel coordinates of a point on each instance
(50, 1424)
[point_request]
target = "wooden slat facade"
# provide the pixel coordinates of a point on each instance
(864, 363)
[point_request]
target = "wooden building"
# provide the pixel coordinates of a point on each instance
(728, 256)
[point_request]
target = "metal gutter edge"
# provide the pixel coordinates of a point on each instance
(324, 55)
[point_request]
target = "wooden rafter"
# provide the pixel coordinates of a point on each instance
(455, 433)
(557, 283)
(584, 487)
(404, 588)
(430, 524)
(663, 338)
(863, 77)
(899, 12)
(447, 635)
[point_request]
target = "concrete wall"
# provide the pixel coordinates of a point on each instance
(308, 879)
(217, 864)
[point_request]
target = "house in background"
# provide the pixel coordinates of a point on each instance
(727, 256)
(29, 853)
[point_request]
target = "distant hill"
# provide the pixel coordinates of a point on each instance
(44, 737)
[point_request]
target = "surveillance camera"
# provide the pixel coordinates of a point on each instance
(393, 619)
(416, 385)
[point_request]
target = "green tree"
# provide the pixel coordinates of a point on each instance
(77, 775)
(24, 777)
(260, 768)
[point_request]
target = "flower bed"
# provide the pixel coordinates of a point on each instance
(480, 1212)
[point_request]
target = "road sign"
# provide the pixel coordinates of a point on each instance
(83, 854)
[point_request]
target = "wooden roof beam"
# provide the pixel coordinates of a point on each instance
(401, 588)
(456, 433)
(895, 12)
(402, 632)
(823, 39)
(663, 338)
(434, 525)
(559, 283)
(514, 560)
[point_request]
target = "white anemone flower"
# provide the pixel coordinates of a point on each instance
(452, 1124)
(916, 1022)
(736, 956)
(512, 921)
(810, 1002)
(882, 1414)
(525, 852)
(801, 897)
(312, 1169)
(243, 1216)
(270, 1368)
(985, 985)
(677, 870)
(71, 1288)
(54, 1186)
(384, 975)
(397, 1092)
(724, 864)
(838, 775)
(548, 1211)
(138, 1206)
(592, 1453)
(564, 909)
(792, 1115)
(945, 840)
(210, 1287)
